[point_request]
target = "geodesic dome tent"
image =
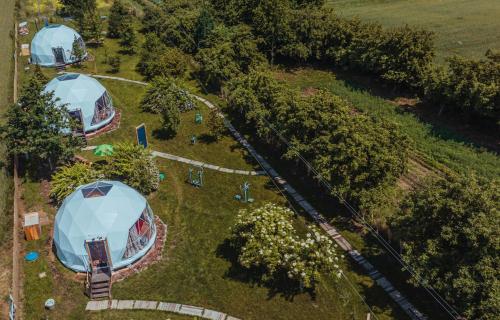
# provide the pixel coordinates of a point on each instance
(107, 210)
(86, 99)
(53, 45)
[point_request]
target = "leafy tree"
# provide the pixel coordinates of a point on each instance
(265, 239)
(165, 63)
(165, 93)
(216, 124)
(229, 53)
(133, 165)
(38, 74)
(118, 18)
(77, 51)
(87, 17)
(114, 62)
(361, 157)
(450, 231)
(36, 127)
(204, 25)
(128, 38)
(170, 119)
(66, 179)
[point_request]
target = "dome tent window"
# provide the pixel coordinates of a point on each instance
(103, 109)
(140, 233)
(98, 189)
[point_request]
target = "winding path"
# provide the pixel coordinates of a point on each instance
(380, 279)
(196, 163)
(159, 306)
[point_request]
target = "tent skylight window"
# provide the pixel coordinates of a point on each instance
(98, 189)
(68, 76)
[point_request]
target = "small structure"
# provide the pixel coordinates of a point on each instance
(53, 46)
(85, 98)
(245, 196)
(25, 49)
(23, 28)
(196, 178)
(31, 226)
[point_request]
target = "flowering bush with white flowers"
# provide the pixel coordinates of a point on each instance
(265, 238)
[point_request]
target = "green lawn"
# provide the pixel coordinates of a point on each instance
(462, 27)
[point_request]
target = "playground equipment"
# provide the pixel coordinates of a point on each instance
(198, 118)
(245, 194)
(193, 139)
(196, 178)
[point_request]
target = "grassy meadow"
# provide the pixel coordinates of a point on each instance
(462, 27)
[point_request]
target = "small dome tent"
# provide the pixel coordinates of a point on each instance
(53, 45)
(104, 210)
(86, 99)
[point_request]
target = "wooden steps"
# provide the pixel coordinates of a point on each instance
(99, 286)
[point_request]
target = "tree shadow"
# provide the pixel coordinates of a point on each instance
(163, 134)
(279, 286)
(206, 138)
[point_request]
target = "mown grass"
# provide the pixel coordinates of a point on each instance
(463, 27)
(436, 144)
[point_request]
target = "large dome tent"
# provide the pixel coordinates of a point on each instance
(53, 45)
(103, 210)
(86, 99)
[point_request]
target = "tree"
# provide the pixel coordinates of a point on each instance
(117, 22)
(266, 240)
(128, 38)
(449, 231)
(170, 119)
(38, 128)
(77, 51)
(66, 179)
(216, 124)
(133, 165)
(87, 17)
(114, 62)
(165, 93)
(204, 25)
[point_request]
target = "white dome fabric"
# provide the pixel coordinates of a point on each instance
(109, 216)
(54, 37)
(81, 92)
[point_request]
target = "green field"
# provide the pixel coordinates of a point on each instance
(463, 27)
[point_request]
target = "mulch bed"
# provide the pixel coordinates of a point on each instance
(113, 125)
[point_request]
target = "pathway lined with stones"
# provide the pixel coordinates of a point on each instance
(159, 306)
(196, 163)
(381, 280)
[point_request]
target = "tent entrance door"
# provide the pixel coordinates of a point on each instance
(99, 257)
(59, 55)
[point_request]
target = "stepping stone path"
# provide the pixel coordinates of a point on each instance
(382, 281)
(159, 306)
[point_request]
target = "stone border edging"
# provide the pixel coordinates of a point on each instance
(183, 309)
(381, 280)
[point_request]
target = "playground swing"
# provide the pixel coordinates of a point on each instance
(196, 178)
(245, 196)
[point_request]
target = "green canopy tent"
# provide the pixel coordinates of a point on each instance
(103, 150)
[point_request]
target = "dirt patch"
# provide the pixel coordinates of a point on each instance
(405, 102)
(309, 91)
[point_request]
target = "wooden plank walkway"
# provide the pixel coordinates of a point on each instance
(184, 309)
(381, 280)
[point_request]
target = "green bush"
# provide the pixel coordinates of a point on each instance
(66, 179)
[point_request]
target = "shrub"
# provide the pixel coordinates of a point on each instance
(66, 179)
(266, 239)
(165, 93)
(134, 166)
